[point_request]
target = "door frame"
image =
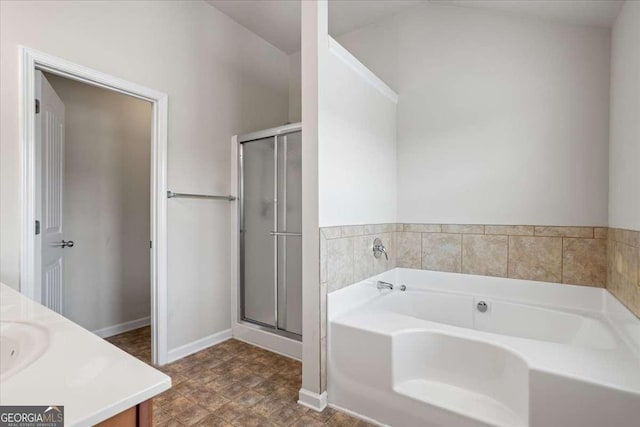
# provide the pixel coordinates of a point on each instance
(30, 60)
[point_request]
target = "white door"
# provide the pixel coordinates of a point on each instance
(50, 147)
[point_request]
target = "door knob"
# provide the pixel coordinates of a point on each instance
(64, 244)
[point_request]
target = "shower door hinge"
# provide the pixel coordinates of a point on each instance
(37, 227)
(150, 244)
(37, 106)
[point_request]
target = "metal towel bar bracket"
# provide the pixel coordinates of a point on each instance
(172, 194)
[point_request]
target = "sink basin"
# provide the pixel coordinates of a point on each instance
(21, 343)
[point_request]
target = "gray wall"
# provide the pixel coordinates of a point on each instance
(221, 79)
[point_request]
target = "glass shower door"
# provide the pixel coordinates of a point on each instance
(271, 243)
(258, 267)
(290, 226)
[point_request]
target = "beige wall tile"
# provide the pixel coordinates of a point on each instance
(363, 257)
(600, 232)
(623, 274)
(423, 228)
(535, 258)
(351, 230)
(379, 228)
(484, 255)
(340, 263)
(509, 230)
(585, 232)
(463, 228)
(409, 249)
(323, 310)
(584, 261)
(323, 258)
(442, 252)
(628, 237)
(331, 232)
(323, 363)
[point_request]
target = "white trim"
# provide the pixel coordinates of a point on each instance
(198, 345)
(312, 400)
(31, 59)
(280, 130)
(340, 52)
(269, 341)
(123, 327)
(356, 415)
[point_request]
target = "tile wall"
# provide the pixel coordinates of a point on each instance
(572, 255)
(623, 272)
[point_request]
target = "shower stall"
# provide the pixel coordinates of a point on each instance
(270, 225)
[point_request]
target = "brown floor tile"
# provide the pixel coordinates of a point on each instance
(323, 416)
(230, 411)
(171, 422)
(232, 384)
(308, 421)
(212, 421)
(178, 406)
(284, 416)
(249, 398)
(267, 388)
(268, 406)
(209, 400)
(342, 420)
(193, 415)
(252, 420)
(233, 391)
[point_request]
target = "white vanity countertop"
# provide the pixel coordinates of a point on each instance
(93, 379)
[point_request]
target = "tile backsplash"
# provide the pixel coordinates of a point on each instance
(571, 255)
(623, 272)
(346, 253)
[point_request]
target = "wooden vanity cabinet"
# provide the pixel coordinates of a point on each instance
(140, 415)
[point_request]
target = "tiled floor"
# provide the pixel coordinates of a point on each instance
(231, 384)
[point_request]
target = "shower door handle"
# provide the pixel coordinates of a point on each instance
(284, 233)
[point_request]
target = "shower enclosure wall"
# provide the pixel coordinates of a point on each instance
(270, 224)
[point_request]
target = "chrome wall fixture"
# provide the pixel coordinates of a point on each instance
(379, 249)
(173, 194)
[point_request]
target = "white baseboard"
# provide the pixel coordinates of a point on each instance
(272, 342)
(312, 400)
(121, 328)
(198, 345)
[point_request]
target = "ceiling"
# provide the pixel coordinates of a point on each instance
(278, 21)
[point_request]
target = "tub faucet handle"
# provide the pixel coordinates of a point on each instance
(379, 249)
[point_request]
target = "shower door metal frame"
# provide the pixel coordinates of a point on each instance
(274, 133)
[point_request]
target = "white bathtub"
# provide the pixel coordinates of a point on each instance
(541, 355)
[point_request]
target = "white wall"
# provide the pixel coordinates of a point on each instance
(106, 205)
(295, 87)
(501, 119)
(314, 37)
(357, 145)
(221, 80)
(624, 148)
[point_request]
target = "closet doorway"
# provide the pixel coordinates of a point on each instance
(94, 199)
